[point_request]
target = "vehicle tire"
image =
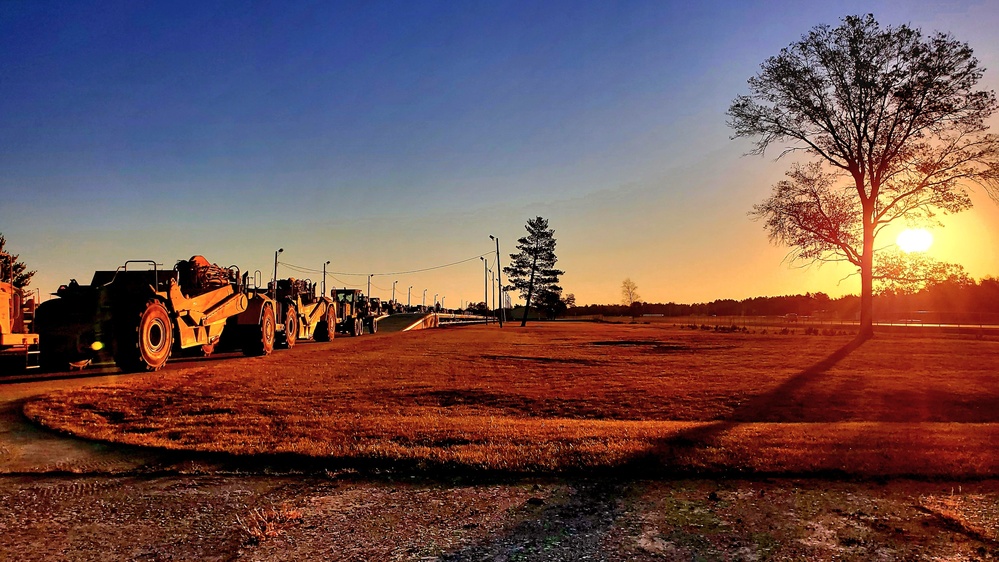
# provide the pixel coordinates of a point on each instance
(147, 345)
(325, 328)
(54, 355)
(372, 326)
(290, 327)
(259, 339)
(358, 327)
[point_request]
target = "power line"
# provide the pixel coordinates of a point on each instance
(330, 273)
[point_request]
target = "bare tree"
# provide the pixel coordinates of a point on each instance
(895, 125)
(629, 292)
(532, 269)
(11, 268)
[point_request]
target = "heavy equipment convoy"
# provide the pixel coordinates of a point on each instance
(18, 345)
(303, 315)
(138, 314)
(354, 312)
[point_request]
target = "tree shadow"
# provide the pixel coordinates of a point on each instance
(679, 450)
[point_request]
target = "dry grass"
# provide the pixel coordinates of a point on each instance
(556, 397)
(261, 524)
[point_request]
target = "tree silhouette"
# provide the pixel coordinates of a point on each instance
(551, 304)
(895, 125)
(22, 276)
(532, 269)
(629, 292)
(907, 274)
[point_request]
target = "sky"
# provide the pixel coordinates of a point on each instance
(393, 138)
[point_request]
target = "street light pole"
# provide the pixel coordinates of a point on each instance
(324, 277)
(393, 292)
(492, 279)
(409, 298)
(424, 299)
(499, 276)
(274, 291)
(485, 274)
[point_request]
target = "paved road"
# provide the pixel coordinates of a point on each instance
(27, 448)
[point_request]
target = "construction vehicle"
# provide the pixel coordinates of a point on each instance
(138, 314)
(18, 345)
(353, 311)
(301, 315)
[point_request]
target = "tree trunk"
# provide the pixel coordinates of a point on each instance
(867, 278)
(530, 292)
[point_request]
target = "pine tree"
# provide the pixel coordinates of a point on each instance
(532, 270)
(22, 277)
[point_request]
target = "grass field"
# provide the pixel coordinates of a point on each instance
(575, 396)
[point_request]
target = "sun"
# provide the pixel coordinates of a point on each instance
(914, 240)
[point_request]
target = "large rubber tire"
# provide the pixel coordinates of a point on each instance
(53, 356)
(290, 327)
(326, 328)
(372, 326)
(259, 340)
(147, 345)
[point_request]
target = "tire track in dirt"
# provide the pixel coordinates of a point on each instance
(72, 489)
(572, 529)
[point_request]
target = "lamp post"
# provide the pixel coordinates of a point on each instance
(274, 290)
(393, 291)
(324, 277)
(499, 276)
(409, 298)
(424, 299)
(485, 274)
(492, 278)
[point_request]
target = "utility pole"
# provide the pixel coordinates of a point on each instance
(274, 290)
(324, 277)
(409, 298)
(492, 279)
(499, 275)
(485, 275)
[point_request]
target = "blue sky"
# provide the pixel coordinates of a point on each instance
(395, 136)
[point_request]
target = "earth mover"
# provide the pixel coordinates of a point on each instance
(18, 345)
(138, 316)
(303, 315)
(354, 312)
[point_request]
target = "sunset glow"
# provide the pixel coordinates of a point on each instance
(343, 136)
(914, 240)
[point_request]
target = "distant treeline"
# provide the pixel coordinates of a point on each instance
(948, 298)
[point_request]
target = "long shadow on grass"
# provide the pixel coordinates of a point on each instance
(680, 451)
